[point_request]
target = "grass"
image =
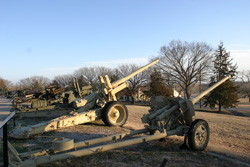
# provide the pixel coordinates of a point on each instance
(147, 154)
(144, 154)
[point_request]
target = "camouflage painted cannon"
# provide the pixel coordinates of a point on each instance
(167, 117)
(101, 104)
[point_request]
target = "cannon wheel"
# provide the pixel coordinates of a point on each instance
(198, 135)
(114, 114)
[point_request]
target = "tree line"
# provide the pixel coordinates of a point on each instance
(181, 65)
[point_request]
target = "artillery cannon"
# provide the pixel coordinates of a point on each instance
(167, 117)
(101, 104)
(51, 107)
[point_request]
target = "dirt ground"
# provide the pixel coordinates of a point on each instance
(229, 134)
(229, 143)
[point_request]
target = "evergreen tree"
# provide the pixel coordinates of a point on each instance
(225, 95)
(82, 82)
(55, 84)
(157, 85)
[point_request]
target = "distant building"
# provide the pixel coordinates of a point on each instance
(175, 93)
(140, 97)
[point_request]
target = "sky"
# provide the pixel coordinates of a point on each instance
(56, 37)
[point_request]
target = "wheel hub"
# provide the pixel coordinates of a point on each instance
(200, 135)
(114, 115)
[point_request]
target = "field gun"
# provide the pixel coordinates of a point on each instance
(101, 104)
(51, 107)
(176, 115)
(167, 117)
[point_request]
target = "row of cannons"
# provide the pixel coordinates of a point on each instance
(167, 116)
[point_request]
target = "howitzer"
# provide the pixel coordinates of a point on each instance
(166, 118)
(101, 104)
(49, 95)
(54, 107)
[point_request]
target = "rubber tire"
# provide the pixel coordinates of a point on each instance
(122, 117)
(192, 134)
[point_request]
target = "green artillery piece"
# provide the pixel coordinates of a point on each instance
(101, 104)
(53, 107)
(167, 117)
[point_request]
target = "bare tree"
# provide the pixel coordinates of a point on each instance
(135, 82)
(115, 75)
(183, 62)
(91, 74)
(245, 83)
(64, 80)
(4, 83)
(34, 83)
(102, 71)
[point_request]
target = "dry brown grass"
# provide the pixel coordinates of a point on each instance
(229, 137)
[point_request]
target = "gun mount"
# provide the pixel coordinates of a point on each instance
(168, 114)
(49, 106)
(166, 118)
(101, 104)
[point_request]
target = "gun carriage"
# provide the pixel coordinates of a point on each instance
(101, 104)
(50, 106)
(167, 117)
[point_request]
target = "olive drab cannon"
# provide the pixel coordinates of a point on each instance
(101, 104)
(167, 117)
(176, 114)
(52, 107)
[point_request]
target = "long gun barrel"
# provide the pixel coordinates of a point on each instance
(198, 97)
(59, 90)
(171, 105)
(116, 83)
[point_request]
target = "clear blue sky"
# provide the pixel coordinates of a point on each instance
(52, 37)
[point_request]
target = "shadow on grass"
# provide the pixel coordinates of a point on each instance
(227, 112)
